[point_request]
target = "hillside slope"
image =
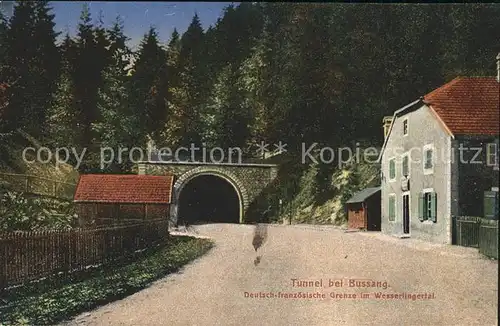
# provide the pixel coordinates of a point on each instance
(12, 146)
(312, 193)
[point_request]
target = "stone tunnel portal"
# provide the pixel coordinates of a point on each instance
(208, 199)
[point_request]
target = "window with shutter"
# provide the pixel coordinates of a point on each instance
(392, 169)
(432, 207)
(392, 208)
(421, 207)
(492, 154)
(405, 127)
(491, 205)
(428, 159)
(405, 169)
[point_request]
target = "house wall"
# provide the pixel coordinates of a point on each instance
(373, 212)
(356, 216)
(423, 129)
(473, 174)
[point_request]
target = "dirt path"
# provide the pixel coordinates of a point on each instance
(211, 291)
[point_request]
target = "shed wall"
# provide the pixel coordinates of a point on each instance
(356, 216)
(88, 213)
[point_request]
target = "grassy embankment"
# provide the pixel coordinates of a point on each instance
(22, 211)
(11, 159)
(51, 301)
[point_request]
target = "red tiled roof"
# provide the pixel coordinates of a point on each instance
(468, 105)
(116, 188)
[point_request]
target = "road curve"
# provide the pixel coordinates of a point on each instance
(211, 290)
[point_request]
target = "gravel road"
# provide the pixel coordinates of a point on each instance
(211, 290)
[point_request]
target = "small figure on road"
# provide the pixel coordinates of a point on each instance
(260, 231)
(259, 236)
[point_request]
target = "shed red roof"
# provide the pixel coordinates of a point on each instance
(468, 105)
(116, 188)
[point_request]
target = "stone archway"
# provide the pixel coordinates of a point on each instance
(185, 178)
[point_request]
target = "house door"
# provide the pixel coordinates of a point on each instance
(406, 214)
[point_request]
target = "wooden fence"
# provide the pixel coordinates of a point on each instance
(476, 232)
(28, 256)
(40, 186)
(488, 238)
(467, 231)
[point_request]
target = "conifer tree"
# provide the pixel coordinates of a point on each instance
(192, 91)
(62, 123)
(90, 59)
(31, 65)
(149, 87)
(47, 59)
(228, 117)
(176, 97)
(3, 46)
(118, 125)
(3, 77)
(83, 76)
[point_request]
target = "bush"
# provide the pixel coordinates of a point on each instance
(21, 213)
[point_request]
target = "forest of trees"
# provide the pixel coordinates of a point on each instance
(324, 73)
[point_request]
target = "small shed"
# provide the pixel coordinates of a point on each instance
(364, 210)
(112, 198)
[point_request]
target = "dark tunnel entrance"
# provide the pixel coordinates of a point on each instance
(208, 199)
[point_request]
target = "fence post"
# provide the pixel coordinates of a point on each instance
(3, 266)
(488, 238)
(453, 230)
(27, 185)
(44, 253)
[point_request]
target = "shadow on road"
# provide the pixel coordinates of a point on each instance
(259, 238)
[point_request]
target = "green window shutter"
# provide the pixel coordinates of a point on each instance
(491, 205)
(433, 199)
(405, 165)
(421, 207)
(496, 205)
(392, 169)
(391, 208)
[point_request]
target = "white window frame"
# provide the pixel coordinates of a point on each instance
(425, 191)
(393, 195)
(407, 154)
(405, 120)
(492, 150)
(426, 148)
(389, 169)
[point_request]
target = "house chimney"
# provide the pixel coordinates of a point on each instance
(498, 67)
(386, 123)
